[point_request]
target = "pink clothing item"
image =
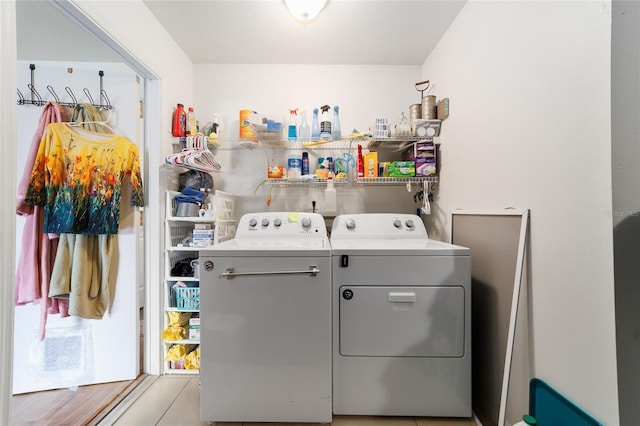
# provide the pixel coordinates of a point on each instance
(52, 113)
(38, 252)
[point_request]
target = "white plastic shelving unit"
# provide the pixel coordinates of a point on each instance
(178, 249)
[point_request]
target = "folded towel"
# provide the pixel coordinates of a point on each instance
(190, 195)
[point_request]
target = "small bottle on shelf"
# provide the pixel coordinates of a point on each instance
(305, 132)
(330, 196)
(292, 132)
(315, 125)
(192, 123)
(360, 162)
(325, 122)
(305, 163)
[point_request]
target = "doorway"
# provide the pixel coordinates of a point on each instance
(138, 315)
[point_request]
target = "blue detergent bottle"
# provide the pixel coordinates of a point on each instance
(315, 125)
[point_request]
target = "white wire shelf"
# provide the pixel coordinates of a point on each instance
(396, 180)
(303, 182)
(314, 145)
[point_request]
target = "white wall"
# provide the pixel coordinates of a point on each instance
(362, 93)
(530, 127)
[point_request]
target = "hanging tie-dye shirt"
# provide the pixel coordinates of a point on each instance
(78, 180)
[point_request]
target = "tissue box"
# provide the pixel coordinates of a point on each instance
(371, 165)
(194, 328)
(402, 169)
(420, 149)
(425, 167)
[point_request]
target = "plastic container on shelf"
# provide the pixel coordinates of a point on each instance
(292, 129)
(305, 132)
(178, 126)
(330, 196)
(192, 123)
(325, 122)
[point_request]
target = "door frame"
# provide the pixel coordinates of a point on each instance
(8, 113)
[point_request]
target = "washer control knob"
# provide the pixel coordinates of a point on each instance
(265, 222)
(277, 222)
(306, 222)
(351, 224)
(253, 223)
(397, 223)
(409, 223)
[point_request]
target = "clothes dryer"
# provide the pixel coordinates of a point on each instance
(401, 319)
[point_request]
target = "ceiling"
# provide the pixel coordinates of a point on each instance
(376, 32)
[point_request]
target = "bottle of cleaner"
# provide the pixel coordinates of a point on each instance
(325, 122)
(304, 132)
(315, 125)
(178, 125)
(292, 132)
(330, 196)
(336, 134)
(305, 163)
(192, 123)
(360, 162)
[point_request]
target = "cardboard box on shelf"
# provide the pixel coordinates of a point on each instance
(420, 149)
(426, 167)
(194, 328)
(371, 165)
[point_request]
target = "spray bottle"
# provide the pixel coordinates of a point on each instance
(315, 125)
(336, 134)
(293, 124)
(304, 132)
(325, 122)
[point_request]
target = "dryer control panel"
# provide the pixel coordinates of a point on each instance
(268, 225)
(378, 226)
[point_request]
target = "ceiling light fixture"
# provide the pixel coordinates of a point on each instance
(305, 11)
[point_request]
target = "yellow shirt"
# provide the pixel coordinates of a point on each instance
(78, 180)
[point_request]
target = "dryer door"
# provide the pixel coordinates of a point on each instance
(402, 321)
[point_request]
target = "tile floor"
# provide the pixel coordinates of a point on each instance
(175, 401)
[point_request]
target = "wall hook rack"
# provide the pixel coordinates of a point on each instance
(36, 99)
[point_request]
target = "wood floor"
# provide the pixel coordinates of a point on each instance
(84, 406)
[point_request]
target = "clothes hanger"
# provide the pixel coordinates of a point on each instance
(103, 123)
(196, 155)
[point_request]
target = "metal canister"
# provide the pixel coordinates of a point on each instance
(429, 107)
(415, 112)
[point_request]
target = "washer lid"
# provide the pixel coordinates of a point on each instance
(270, 247)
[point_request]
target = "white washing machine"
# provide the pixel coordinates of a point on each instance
(401, 319)
(265, 318)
